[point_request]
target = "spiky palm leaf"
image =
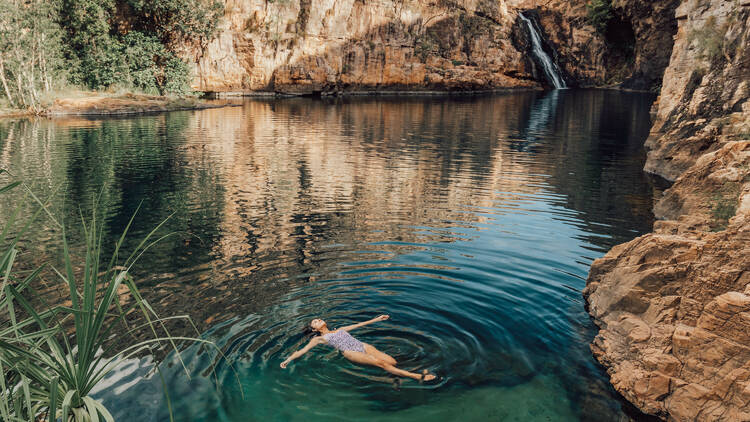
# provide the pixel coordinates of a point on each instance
(51, 359)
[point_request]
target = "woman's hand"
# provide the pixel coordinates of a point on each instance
(362, 324)
(284, 364)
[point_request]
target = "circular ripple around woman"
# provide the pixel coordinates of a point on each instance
(471, 221)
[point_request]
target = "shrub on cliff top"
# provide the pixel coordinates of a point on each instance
(134, 43)
(599, 14)
(177, 21)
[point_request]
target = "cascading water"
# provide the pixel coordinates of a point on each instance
(548, 65)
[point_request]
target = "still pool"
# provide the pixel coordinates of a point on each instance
(472, 221)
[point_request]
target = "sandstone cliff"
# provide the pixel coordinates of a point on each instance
(310, 46)
(325, 46)
(673, 306)
(703, 101)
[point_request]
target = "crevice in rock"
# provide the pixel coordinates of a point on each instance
(303, 16)
(620, 39)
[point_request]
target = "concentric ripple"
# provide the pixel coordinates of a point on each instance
(470, 221)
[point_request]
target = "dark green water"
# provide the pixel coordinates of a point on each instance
(471, 221)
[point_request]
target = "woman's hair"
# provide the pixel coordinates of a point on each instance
(309, 332)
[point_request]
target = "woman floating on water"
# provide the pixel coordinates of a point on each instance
(355, 350)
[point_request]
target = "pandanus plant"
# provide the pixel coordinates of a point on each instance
(52, 356)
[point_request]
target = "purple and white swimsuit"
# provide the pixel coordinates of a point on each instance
(344, 341)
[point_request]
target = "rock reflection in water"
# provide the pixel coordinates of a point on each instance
(473, 220)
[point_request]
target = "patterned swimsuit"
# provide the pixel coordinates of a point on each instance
(344, 341)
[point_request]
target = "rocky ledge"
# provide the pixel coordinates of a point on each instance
(673, 306)
(89, 104)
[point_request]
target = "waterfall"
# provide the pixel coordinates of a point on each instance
(548, 65)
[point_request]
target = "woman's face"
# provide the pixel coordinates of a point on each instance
(317, 324)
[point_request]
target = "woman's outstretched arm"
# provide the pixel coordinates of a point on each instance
(314, 342)
(362, 324)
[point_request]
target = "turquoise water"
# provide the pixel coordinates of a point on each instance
(471, 221)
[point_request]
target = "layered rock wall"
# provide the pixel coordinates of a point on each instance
(703, 101)
(673, 306)
(641, 38)
(311, 46)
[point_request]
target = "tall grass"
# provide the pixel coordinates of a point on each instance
(52, 356)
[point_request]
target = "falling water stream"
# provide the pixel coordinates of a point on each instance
(551, 70)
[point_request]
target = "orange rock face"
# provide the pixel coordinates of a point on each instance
(673, 306)
(703, 100)
(327, 46)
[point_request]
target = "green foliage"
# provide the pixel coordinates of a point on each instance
(427, 44)
(31, 61)
(93, 53)
(151, 67)
(142, 56)
(723, 209)
(175, 76)
(724, 204)
(177, 21)
(709, 40)
(100, 65)
(52, 357)
(599, 14)
(143, 53)
(423, 48)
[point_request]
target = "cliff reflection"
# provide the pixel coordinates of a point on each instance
(304, 177)
(278, 193)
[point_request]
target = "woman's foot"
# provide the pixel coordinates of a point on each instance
(426, 376)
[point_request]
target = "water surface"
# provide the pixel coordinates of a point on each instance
(471, 221)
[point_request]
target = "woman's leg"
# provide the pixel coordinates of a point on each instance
(365, 359)
(377, 354)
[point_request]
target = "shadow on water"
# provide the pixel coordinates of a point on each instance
(472, 221)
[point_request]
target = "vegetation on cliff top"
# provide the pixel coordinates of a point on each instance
(98, 44)
(599, 14)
